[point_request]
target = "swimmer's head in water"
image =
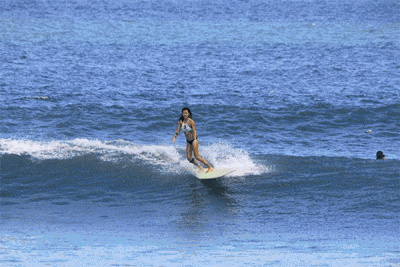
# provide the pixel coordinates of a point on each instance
(379, 155)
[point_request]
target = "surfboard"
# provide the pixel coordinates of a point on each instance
(214, 173)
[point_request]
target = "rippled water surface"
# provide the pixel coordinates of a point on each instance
(297, 96)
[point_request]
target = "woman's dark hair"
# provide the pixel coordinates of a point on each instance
(190, 113)
(379, 155)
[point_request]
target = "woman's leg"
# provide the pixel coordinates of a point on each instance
(189, 152)
(197, 156)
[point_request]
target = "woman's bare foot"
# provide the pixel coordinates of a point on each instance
(201, 169)
(210, 169)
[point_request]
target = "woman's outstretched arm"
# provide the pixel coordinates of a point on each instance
(177, 132)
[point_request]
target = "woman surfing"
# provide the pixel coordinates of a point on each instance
(188, 126)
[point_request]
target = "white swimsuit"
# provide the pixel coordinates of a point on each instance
(186, 128)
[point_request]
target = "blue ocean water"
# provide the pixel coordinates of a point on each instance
(297, 96)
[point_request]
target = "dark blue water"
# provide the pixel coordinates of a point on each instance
(297, 96)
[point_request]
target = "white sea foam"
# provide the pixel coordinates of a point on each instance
(224, 156)
(37, 97)
(171, 158)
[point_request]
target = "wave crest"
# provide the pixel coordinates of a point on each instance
(165, 157)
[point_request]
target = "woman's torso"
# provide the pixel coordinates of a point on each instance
(187, 128)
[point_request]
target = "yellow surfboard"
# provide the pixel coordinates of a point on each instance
(214, 174)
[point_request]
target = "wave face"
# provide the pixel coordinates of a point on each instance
(84, 170)
(75, 165)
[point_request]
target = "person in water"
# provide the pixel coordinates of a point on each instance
(379, 155)
(188, 126)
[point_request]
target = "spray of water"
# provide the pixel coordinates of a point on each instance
(169, 158)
